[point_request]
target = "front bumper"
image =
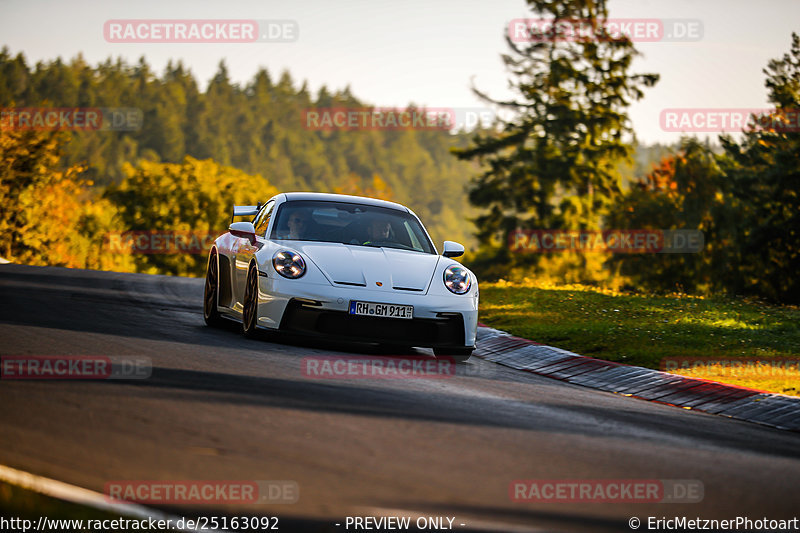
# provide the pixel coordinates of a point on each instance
(440, 320)
(446, 330)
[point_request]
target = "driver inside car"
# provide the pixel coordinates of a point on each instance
(297, 226)
(378, 231)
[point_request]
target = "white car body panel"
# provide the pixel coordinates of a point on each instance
(337, 273)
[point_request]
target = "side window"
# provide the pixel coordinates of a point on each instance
(262, 219)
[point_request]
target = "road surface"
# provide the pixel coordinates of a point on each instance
(219, 406)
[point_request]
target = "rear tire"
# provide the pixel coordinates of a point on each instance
(211, 292)
(250, 311)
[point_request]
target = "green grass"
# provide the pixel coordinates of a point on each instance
(643, 330)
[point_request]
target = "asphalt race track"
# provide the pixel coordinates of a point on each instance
(220, 406)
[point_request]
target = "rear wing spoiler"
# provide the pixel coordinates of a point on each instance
(245, 211)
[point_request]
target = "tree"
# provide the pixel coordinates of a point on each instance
(554, 162)
(49, 216)
(685, 191)
(257, 128)
(764, 169)
(14, 77)
(191, 201)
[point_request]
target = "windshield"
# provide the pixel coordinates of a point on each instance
(350, 223)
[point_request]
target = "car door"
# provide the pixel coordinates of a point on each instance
(243, 250)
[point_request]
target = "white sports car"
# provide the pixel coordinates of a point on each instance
(343, 267)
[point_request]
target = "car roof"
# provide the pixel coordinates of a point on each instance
(329, 197)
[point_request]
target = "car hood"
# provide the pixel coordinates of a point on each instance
(375, 268)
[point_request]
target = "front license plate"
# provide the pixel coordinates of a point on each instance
(381, 310)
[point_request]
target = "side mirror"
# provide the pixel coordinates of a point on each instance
(244, 230)
(452, 249)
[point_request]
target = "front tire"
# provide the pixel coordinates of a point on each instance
(211, 292)
(250, 311)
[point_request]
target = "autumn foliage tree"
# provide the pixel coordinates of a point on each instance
(256, 126)
(48, 214)
(191, 198)
(685, 191)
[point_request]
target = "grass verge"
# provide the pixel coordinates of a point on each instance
(677, 333)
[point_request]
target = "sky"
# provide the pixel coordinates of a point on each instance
(427, 52)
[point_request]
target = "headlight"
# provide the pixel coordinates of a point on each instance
(289, 264)
(457, 279)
